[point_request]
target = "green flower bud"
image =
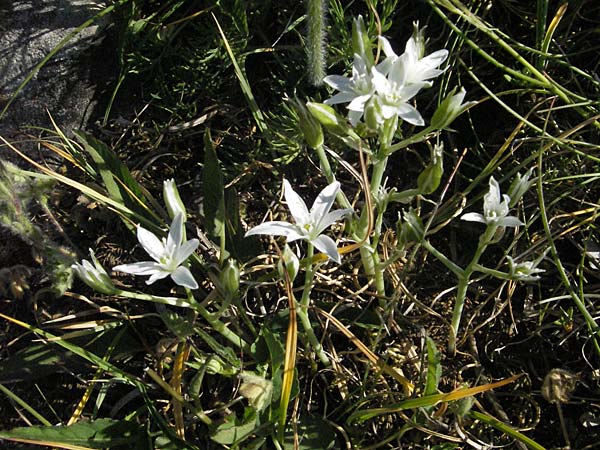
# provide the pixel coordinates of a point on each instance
(450, 108)
(313, 133)
(94, 275)
(361, 44)
(328, 117)
(419, 39)
(173, 200)
(230, 277)
(288, 262)
(429, 180)
(373, 115)
(519, 186)
(410, 228)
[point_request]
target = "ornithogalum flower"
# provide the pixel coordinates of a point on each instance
(356, 90)
(169, 255)
(94, 275)
(524, 271)
(309, 225)
(495, 209)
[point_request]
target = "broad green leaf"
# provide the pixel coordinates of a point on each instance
(179, 326)
(434, 367)
(101, 433)
(235, 430)
(314, 433)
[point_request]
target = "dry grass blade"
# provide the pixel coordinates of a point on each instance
(372, 357)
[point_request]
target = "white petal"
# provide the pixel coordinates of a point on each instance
(338, 82)
(381, 83)
(509, 221)
(331, 218)
(295, 204)
(358, 103)
(327, 246)
(158, 276)
(138, 268)
(183, 277)
(153, 246)
(175, 237)
(184, 252)
(341, 97)
(354, 117)
(324, 202)
(473, 217)
(410, 114)
(277, 228)
(434, 60)
(387, 48)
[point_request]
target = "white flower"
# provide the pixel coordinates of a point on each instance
(168, 254)
(94, 275)
(393, 95)
(417, 69)
(356, 90)
(309, 224)
(524, 271)
(495, 209)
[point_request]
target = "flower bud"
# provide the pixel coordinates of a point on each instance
(290, 262)
(230, 277)
(94, 275)
(361, 44)
(429, 180)
(313, 133)
(173, 200)
(450, 108)
(410, 228)
(373, 115)
(328, 117)
(519, 186)
(419, 39)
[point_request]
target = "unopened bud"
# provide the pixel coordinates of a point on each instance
(230, 277)
(429, 180)
(361, 44)
(173, 200)
(450, 108)
(288, 263)
(94, 275)
(313, 133)
(519, 186)
(410, 228)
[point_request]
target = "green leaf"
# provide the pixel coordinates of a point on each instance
(179, 326)
(235, 430)
(434, 367)
(101, 433)
(115, 176)
(314, 433)
(214, 197)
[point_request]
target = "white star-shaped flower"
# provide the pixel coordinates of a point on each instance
(495, 209)
(309, 225)
(169, 255)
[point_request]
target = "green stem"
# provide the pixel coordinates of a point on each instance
(329, 175)
(463, 284)
(302, 309)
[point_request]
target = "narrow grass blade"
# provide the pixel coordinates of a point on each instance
(429, 400)
(23, 404)
(506, 429)
(372, 357)
(258, 115)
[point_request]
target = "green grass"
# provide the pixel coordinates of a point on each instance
(373, 362)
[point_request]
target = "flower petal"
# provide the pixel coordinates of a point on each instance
(277, 228)
(327, 246)
(295, 204)
(138, 268)
(183, 277)
(340, 97)
(175, 236)
(410, 114)
(338, 82)
(331, 218)
(184, 252)
(509, 221)
(473, 217)
(153, 246)
(159, 275)
(323, 203)
(358, 103)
